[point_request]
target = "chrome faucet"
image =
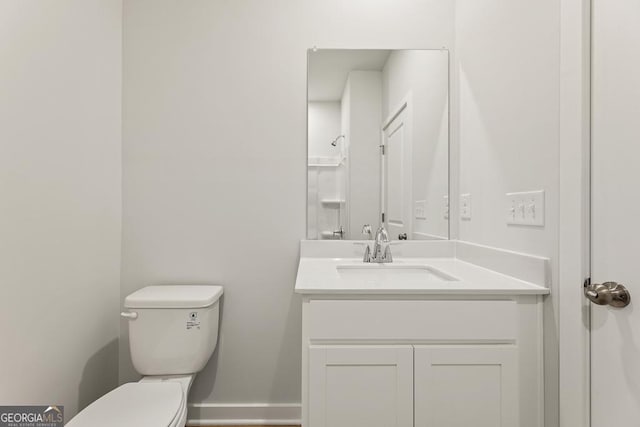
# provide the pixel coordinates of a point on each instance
(381, 248)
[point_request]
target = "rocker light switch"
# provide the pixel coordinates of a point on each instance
(420, 209)
(525, 208)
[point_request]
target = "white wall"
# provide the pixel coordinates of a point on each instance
(215, 161)
(362, 104)
(508, 73)
(508, 82)
(424, 76)
(60, 154)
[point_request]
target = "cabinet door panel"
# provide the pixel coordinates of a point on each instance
(368, 386)
(466, 386)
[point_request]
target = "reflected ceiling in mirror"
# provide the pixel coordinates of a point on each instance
(378, 143)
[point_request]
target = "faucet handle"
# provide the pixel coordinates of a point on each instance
(387, 255)
(382, 235)
(367, 254)
(366, 229)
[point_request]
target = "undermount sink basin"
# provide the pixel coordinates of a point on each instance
(400, 272)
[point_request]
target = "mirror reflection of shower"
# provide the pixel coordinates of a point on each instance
(339, 142)
(359, 100)
(335, 141)
(327, 171)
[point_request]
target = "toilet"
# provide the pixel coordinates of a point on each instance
(173, 331)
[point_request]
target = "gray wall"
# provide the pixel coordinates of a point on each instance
(508, 62)
(214, 158)
(60, 167)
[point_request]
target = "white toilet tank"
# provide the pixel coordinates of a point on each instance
(173, 330)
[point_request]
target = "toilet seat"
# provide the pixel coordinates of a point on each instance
(142, 404)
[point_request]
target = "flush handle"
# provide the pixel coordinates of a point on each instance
(131, 315)
(608, 293)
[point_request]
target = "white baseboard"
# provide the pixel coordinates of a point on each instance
(215, 414)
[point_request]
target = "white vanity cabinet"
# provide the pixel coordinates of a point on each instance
(361, 385)
(466, 385)
(422, 360)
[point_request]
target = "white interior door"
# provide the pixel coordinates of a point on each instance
(615, 234)
(397, 174)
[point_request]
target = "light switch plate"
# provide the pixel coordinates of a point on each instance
(420, 209)
(465, 206)
(446, 207)
(525, 208)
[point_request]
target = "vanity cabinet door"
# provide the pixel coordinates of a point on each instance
(461, 386)
(368, 386)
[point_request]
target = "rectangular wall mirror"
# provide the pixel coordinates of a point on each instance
(378, 143)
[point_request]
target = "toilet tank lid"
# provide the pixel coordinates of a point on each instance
(174, 296)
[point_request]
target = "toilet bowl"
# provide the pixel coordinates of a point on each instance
(145, 404)
(173, 332)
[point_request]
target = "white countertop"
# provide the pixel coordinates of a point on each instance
(321, 276)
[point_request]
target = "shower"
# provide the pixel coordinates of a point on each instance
(335, 141)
